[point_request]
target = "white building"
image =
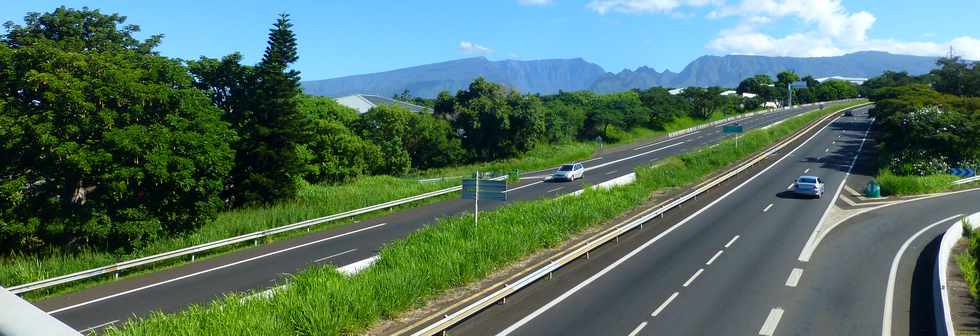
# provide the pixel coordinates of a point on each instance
(855, 80)
(676, 91)
(362, 103)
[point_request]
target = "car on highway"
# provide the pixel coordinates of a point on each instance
(848, 113)
(569, 172)
(808, 186)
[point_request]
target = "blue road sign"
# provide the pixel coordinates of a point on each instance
(962, 172)
(489, 189)
(733, 128)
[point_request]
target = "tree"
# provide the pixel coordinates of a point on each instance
(497, 122)
(444, 105)
(787, 77)
(956, 77)
(335, 153)
(387, 127)
(663, 106)
(102, 141)
(270, 125)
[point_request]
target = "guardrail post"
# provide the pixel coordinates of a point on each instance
(117, 274)
(588, 255)
(255, 242)
(192, 257)
(551, 275)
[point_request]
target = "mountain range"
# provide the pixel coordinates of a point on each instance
(551, 75)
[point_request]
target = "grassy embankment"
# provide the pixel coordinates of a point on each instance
(967, 261)
(313, 201)
(449, 253)
(892, 184)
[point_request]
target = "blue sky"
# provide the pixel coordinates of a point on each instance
(339, 38)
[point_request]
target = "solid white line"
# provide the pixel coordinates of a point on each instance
(668, 140)
(590, 160)
(812, 241)
(794, 277)
(335, 255)
(664, 305)
(98, 326)
(554, 190)
(634, 156)
(714, 257)
(212, 269)
(767, 208)
(638, 328)
(523, 186)
(357, 266)
(790, 186)
(806, 171)
(639, 249)
(695, 276)
(612, 172)
(772, 321)
(730, 242)
(886, 321)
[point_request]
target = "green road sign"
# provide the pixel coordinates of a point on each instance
(733, 128)
(489, 189)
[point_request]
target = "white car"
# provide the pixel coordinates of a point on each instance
(569, 172)
(808, 186)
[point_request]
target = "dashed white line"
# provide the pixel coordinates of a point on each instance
(826, 150)
(335, 255)
(664, 305)
(693, 277)
(638, 328)
(806, 171)
(772, 321)
(554, 190)
(97, 327)
(612, 172)
(668, 140)
(794, 277)
(714, 257)
(767, 208)
(730, 242)
(790, 186)
(523, 186)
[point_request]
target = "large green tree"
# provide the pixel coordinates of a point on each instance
(497, 122)
(102, 141)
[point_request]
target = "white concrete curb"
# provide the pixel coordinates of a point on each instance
(944, 319)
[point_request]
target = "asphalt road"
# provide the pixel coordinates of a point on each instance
(735, 267)
(266, 265)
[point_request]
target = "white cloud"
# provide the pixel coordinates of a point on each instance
(827, 28)
(534, 2)
(470, 48)
(644, 6)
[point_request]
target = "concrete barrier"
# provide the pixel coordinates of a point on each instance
(21, 318)
(943, 314)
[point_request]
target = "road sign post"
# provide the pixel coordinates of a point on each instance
(733, 128)
(477, 189)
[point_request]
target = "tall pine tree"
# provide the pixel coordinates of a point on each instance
(270, 126)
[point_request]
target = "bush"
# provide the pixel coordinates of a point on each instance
(892, 184)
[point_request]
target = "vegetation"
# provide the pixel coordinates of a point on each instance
(321, 301)
(967, 261)
(926, 125)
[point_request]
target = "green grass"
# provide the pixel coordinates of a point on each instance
(967, 261)
(449, 253)
(541, 157)
(892, 184)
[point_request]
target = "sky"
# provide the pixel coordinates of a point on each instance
(340, 38)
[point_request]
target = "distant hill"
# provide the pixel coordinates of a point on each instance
(541, 76)
(550, 76)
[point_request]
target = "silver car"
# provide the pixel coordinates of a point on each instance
(808, 186)
(569, 172)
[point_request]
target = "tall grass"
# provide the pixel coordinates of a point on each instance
(892, 184)
(450, 253)
(967, 261)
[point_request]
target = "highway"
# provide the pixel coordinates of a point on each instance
(265, 266)
(739, 267)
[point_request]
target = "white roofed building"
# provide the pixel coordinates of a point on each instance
(855, 80)
(362, 103)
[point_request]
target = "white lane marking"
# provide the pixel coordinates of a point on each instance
(826, 150)
(714, 257)
(212, 269)
(693, 277)
(814, 239)
(523, 186)
(639, 249)
(638, 328)
(794, 277)
(806, 171)
(767, 208)
(654, 159)
(97, 327)
(590, 160)
(612, 172)
(334, 255)
(358, 266)
(886, 321)
(730, 242)
(790, 186)
(634, 156)
(664, 305)
(772, 321)
(554, 190)
(668, 140)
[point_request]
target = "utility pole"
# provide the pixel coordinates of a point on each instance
(789, 95)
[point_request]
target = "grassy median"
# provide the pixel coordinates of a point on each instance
(450, 253)
(892, 184)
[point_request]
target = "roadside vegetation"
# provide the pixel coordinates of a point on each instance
(447, 254)
(967, 261)
(110, 151)
(926, 125)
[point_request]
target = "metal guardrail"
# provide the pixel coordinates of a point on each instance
(193, 250)
(452, 319)
(744, 116)
(967, 180)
